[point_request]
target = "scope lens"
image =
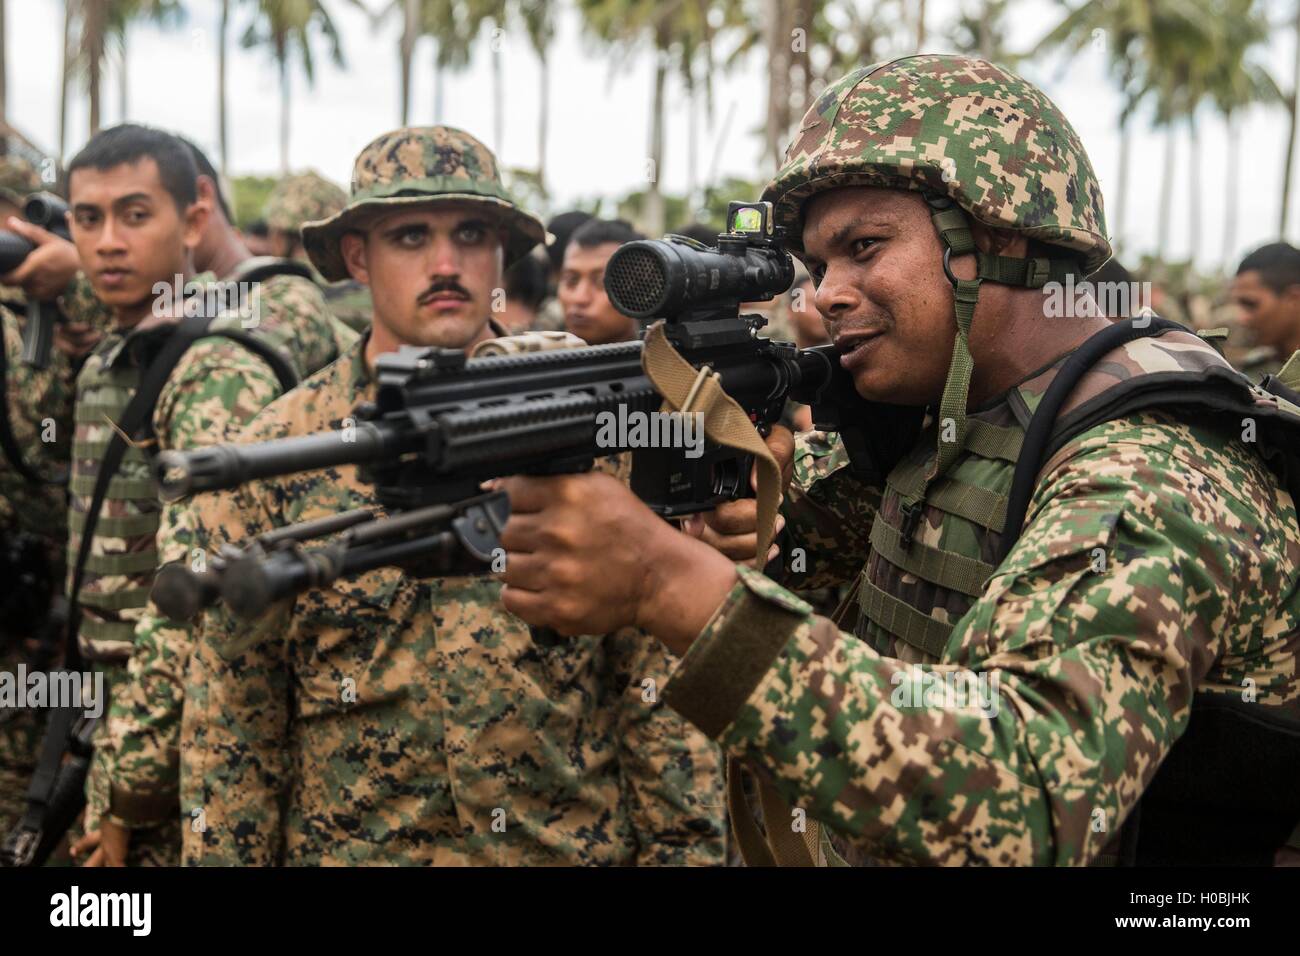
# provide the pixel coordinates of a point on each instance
(635, 281)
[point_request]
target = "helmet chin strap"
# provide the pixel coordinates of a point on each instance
(954, 230)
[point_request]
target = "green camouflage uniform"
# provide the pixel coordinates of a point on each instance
(306, 197)
(216, 387)
(40, 404)
(1161, 555)
(462, 741)
(393, 719)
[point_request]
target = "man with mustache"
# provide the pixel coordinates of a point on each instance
(395, 719)
(931, 199)
(136, 217)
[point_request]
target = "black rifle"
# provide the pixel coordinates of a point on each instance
(440, 539)
(443, 423)
(49, 212)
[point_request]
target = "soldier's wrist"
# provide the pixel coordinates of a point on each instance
(684, 583)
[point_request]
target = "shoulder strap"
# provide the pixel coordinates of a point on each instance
(1039, 433)
(261, 268)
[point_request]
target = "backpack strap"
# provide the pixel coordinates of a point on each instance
(261, 268)
(1039, 433)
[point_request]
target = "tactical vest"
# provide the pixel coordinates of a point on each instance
(921, 579)
(118, 570)
(1238, 766)
(115, 586)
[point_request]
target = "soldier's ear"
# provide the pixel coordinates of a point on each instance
(196, 220)
(352, 246)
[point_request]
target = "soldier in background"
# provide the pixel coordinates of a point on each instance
(1266, 291)
(257, 236)
(305, 197)
(588, 313)
(136, 219)
(393, 718)
(33, 513)
(560, 228)
(525, 291)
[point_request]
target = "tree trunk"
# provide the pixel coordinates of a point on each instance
(222, 129)
(1166, 197)
(543, 118)
(1230, 194)
(1290, 139)
(407, 50)
(439, 81)
(63, 80)
(498, 101)
(284, 114)
(1194, 184)
(94, 41)
(692, 142)
(920, 26)
(775, 61)
(121, 81)
(1121, 192)
(654, 204)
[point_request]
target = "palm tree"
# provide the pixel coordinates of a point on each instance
(223, 129)
(1236, 81)
(981, 30)
(538, 17)
(1183, 47)
(286, 27)
(1292, 109)
(119, 16)
(841, 37)
(410, 12)
(66, 57)
(1126, 26)
(678, 32)
(94, 25)
(454, 30)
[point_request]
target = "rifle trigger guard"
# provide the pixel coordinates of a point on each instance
(479, 527)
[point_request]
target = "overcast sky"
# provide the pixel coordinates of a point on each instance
(600, 112)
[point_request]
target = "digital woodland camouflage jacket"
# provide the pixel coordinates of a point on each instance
(217, 386)
(394, 720)
(40, 415)
(1161, 556)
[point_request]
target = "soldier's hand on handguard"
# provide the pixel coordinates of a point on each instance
(586, 556)
(732, 527)
(48, 269)
(76, 339)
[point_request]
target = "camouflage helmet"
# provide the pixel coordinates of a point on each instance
(977, 142)
(952, 126)
(417, 166)
(300, 198)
